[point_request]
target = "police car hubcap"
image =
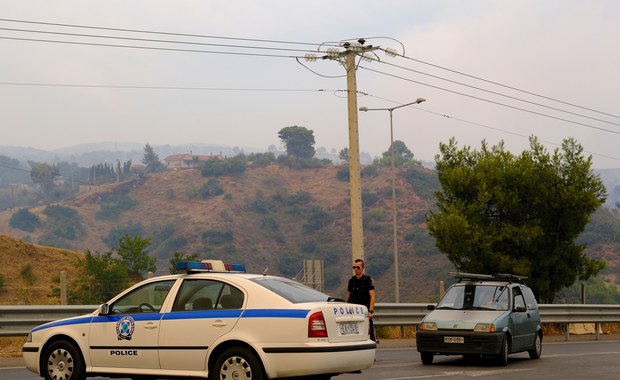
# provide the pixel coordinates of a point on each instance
(236, 368)
(59, 364)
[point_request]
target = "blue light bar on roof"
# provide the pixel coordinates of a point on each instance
(209, 266)
(193, 265)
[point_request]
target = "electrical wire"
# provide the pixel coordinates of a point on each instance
(497, 93)
(157, 32)
(153, 40)
(493, 101)
(489, 127)
(149, 47)
(166, 87)
(506, 86)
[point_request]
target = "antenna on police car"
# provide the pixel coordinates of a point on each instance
(265, 271)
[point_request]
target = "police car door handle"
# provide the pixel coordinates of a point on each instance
(150, 326)
(219, 323)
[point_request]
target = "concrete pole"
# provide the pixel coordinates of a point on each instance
(357, 228)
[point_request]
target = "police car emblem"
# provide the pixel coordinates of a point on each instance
(124, 328)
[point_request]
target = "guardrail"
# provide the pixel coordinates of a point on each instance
(19, 320)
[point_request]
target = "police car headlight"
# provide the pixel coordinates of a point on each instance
(428, 326)
(484, 327)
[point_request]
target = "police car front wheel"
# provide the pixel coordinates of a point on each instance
(62, 360)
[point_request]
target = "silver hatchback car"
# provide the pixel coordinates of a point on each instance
(482, 315)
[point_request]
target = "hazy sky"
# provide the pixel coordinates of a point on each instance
(54, 95)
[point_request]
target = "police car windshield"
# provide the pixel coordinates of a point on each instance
(290, 290)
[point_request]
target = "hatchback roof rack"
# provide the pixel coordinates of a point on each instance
(487, 277)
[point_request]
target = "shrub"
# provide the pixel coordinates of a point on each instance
(27, 274)
(24, 220)
(114, 206)
(317, 219)
(217, 237)
(343, 174)
(66, 222)
(116, 234)
(211, 189)
(221, 167)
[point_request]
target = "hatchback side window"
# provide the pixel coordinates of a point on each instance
(519, 301)
(530, 299)
(146, 299)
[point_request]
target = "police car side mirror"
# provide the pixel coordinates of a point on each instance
(104, 309)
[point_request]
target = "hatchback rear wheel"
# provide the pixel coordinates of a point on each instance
(426, 357)
(537, 350)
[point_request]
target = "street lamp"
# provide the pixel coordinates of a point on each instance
(394, 225)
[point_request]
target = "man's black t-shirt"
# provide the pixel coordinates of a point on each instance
(360, 290)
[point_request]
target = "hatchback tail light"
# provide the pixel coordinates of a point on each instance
(316, 326)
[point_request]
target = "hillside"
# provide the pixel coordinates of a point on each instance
(269, 217)
(29, 271)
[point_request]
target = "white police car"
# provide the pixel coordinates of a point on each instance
(214, 322)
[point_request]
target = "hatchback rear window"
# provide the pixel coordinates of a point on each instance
(291, 290)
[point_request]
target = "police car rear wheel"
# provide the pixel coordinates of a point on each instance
(238, 363)
(62, 360)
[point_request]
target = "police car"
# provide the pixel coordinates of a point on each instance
(215, 322)
(482, 315)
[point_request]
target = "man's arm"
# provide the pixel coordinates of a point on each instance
(371, 309)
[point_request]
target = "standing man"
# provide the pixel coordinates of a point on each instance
(361, 291)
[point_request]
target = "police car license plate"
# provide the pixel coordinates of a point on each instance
(453, 339)
(349, 328)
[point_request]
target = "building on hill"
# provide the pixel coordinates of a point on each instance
(188, 160)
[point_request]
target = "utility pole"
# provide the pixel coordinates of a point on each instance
(347, 57)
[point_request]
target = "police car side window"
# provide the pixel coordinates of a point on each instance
(146, 299)
(230, 298)
(197, 294)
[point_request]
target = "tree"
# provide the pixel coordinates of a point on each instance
(299, 141)
(502, 213)
(402, 155)
(344, 154)
(24, 220)
(101, 277)
(180, 256)
(135, 256)
(151, 160)
(43, 175)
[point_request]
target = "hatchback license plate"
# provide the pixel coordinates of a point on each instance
(349, 328)
(453, 339)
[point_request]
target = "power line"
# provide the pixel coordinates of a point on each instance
(167, 87)
(498, 94)
(491, 128)
(158, 32)
(153, 40)
(493, 101)
(148, 47)
(507, 86)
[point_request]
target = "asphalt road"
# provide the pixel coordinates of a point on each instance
(399, 360)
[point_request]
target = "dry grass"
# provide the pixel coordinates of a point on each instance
(11, 346)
